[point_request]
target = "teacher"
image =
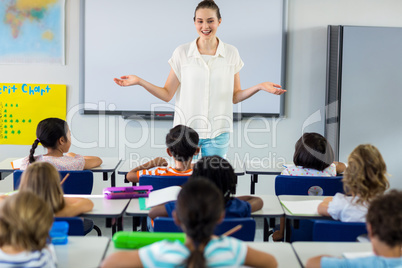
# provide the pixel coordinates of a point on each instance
(205, 77)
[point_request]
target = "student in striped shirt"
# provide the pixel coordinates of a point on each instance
(199, 209)
(25, 222)
(182, 145)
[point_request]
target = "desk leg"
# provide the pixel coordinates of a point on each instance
(254, 179)
(119, 222)
(125, 178)
(288, 230)
(113, 179)
(105, 176)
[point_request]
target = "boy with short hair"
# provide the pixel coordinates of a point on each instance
(182, 145)
(384, 226)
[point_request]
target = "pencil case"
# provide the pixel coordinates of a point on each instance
(59, 233)
(135, 240)
(127, 192)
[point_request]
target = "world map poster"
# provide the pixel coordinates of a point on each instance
(32, 31)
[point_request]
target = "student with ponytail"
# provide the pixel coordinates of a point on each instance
(199, 209)
(54, 134)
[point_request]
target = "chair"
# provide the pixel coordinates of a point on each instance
(79, 181)
(246, 233)
(336, 231)
(300, 185)
(302, 230)
(160, 182)
(76, 225)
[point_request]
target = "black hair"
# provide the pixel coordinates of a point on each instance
(385, 217)
(182, 142)
(199, 207)
(219, 171)
(208, 4)
(48, 132)
(312, 150)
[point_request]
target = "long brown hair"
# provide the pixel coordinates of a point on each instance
(43, 179)
(199, 207)
(25, 221)
(365, 175)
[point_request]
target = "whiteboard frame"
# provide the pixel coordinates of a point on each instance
(152, 115)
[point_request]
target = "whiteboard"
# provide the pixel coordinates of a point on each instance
(123, 37)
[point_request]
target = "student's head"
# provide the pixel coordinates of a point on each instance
(51, 133)
(219, 171)
(43, 179)
(384, 218)
(208, 4)
(199, 208)
(182, 143)
(25, 221)
(312, 150)
(365, 175)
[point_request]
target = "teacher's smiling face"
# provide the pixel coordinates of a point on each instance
(207, 23)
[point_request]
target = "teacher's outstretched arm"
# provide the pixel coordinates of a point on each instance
(240, 95)
(165, 93)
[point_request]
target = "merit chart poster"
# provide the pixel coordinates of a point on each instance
(23, 106)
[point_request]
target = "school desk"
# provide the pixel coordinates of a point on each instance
(306, 250)
(109, 164)
(81, 251)
(5, 167)
(294, 216)
(271, 209)
(283, 252)
(111, 209)
(255, 168)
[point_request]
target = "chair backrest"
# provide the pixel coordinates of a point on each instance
(78, 182)
(76, 225)
(246, 233)
(337, 231)
(302, 185)
(160, 182)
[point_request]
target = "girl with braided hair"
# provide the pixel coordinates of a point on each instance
(199, 209)
(54, 134)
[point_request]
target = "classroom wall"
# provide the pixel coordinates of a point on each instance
(270, 140)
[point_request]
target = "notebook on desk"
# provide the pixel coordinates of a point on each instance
(304, 207)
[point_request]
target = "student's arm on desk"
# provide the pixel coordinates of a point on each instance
(158, 211)
(90, 161)
(255, 202)
(75, 206)
(323, 207)
(256, 258)
(157, 162)
(123, 259)
(315, 262)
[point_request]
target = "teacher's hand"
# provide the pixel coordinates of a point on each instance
(272, 88)
(127, 80)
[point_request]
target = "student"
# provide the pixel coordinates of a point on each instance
(205, 76)
(384, 218)
(221, 173)
(313, 156)
(201, 248)
(25, 222)
(182, 145)
(43, 179)
(54, 134)
(364, 179)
